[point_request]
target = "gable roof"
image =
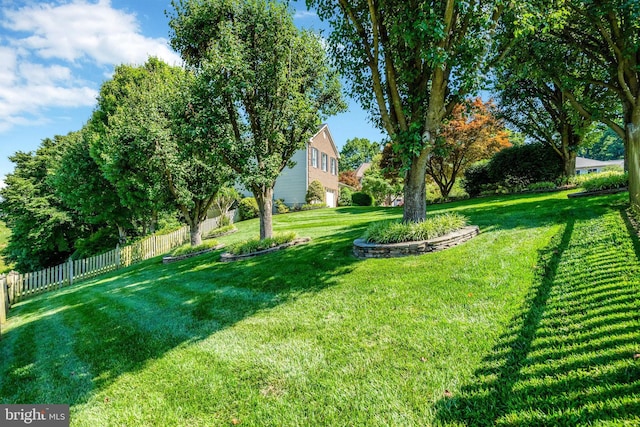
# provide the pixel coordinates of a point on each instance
(333, 144)
(362, 169)
(583, 162)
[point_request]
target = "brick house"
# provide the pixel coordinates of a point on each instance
(317, 161)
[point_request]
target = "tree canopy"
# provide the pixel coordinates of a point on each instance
(357, 151)
(262, 90)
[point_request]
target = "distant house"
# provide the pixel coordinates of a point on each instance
(361, 170)
(584, 165)
(317, 161)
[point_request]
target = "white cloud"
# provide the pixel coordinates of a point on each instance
(50, 46)
(303, 14)
(82, 30)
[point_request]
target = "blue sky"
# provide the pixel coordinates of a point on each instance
(55, 54)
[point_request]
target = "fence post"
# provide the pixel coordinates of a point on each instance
(4, 299)
(118, 256)
(70, 271)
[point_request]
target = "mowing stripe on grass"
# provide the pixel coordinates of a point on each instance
(568, 359)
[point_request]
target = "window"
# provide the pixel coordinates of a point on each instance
(324, 162)
(314, 157)
(333, 166)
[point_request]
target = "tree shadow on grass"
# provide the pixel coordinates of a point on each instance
(567, 359)
(74, 343)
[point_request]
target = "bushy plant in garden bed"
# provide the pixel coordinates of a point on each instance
(188, 249)
(604, 181)
(311, 206)
(256, 245)
(221, 230)
(397, 232)
(248, 208)
(543, 185)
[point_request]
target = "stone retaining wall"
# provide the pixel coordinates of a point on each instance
(229, 257)
(362, 249)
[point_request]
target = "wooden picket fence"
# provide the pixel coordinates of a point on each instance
(15, 287)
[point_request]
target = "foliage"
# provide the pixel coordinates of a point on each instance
(409, 63)
(430, 228)
(470, 134)
(315, 193)
(43, 229)
(528, 163)
(157, 118)
(80, 184)
(190, 249)
(383, 189)
(103, 240)
(542, 185)
(475, 177)
(457, 193)
(604, 181)
(344, 198)
(281, 207)
(311, 206)
(256, 245)
(355, 152)
(225, 198)
(5, 235)
(263, 86)
(248, 208)
(348, 177)
(362, 199)
(602, 143)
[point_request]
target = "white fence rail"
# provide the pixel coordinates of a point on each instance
(16, 287)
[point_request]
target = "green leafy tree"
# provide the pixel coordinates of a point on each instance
(82, 187)
(357, 151)
(43, 230)
(602, 143)
(264, 86)
(606, 35)
(384, 189)
(127, 165)
(158, 118)
(409, 63)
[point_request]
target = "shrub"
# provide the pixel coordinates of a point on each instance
(256, 245)
(397, 232)
(281, 207)
(312, 206)
(315, 193)
(224, 221)
(475, 177)
(188, 249)
(604, 181)
(542, 185)
(525, 164)
(103, 240)
(220, 231)
(248, 208)
(361, 199)
(344, 198)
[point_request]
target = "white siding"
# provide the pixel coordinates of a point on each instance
(291, 185)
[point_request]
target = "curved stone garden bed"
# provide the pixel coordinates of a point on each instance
(169, 259)
(215, 235)
(362, 249)
(597, 193)
(228, 257)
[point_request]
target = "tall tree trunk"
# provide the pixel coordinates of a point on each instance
(415, 191)
(632, 156)
(569, 160)
(265, 206)
(122, 234)
(195, 231)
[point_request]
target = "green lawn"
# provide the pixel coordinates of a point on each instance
(534, 322)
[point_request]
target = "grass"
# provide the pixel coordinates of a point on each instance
(533, 322)
(397, 231)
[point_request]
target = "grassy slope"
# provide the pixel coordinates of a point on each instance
(535, 321)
